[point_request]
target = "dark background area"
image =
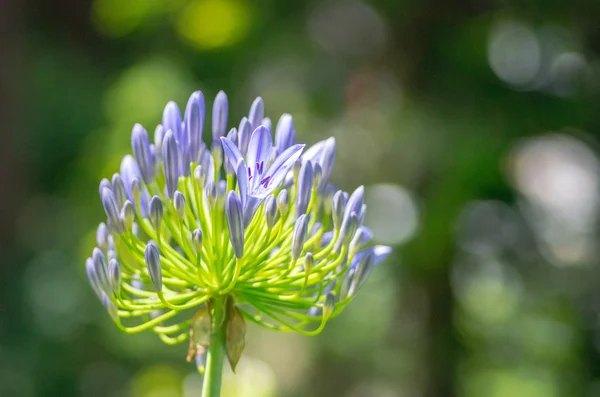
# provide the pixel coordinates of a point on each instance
(474, 126)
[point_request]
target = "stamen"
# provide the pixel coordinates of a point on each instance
(265, 182)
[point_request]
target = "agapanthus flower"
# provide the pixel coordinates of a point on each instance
(200, 238)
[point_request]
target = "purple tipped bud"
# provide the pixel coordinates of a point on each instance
(356, 242)
(285, 136)
(283, 202)
(346, 284)
(194, 124)
(93, 277)
(329, 305)
(317, 175)
(298, 236)
(110, 307)
(219, 116)
(326, 161)
(305, 181)
(365, 265)
(267, 123)
(235, 221)
(141, 148)
(361, 214)
(355, 202)
(155, 159)
(112, 211)
(217, 153)
(170, 155)
(257, 112)
(102, 236)
(221, 194)
(199, 176)
(244, 133)
(309, 262)
(159, 136)
(296, 169)
(136, 189)
(270, 210)
(349, 226)
(179, 203)
(152, 257)
(105, 183)
(156, 212)
(197, 240)
(101, 268)
(172, 121)
(127, 215)
(211, 193)
(118, 188)
(114, 275)
(338, 205)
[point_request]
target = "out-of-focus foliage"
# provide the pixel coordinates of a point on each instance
(476, 125)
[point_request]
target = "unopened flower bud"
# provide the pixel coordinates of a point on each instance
(102, 236)
(170, 155)
(309, 262)
(329, 305)
(127, 215)
(235, 222)
(283, 202)
(356, 242)
(105, 183)
(337, 209)
(114, 275)
(152, 257)
(305, 183)
(100, 268)
(179, 204)
(257, 112)
(298, 236)
(219, 116)
(285, 135)
(156, 212)
(112, 211)
(194, 124)
(141, 148)
(110, 307)
(270, 210)
(118, 188)
(197, 240)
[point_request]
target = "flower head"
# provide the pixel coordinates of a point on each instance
(244, 219)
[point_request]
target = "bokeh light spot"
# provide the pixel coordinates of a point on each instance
(391, 213)
(210, 24)
(514, 53)
(116, 18)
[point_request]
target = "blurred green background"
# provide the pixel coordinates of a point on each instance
(474, 124)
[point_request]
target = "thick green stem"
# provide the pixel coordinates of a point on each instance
(216, 352)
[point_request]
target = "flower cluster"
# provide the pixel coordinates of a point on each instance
(247, 220)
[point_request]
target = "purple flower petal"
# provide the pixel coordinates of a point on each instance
(259, 151)
(232, 153)
(278, 170)
(242, 179)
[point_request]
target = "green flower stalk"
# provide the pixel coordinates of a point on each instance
(200, 239)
